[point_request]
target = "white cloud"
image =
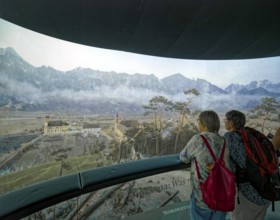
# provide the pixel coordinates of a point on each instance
(38, 50)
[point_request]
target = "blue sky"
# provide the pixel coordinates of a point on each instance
(38, 50)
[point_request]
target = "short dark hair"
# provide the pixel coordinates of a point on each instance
(237, 118)
(211, 120)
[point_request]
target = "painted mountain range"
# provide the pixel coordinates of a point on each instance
(27, 88)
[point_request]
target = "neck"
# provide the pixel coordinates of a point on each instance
(203, 129)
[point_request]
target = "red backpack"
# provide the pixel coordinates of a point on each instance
(261, 165)
(218, 190)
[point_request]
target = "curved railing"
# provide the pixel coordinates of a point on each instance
(23, 202)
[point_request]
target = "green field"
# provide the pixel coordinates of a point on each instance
(47, 171)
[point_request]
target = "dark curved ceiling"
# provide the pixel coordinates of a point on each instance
(189, 29)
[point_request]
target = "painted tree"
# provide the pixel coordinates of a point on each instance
(141, 139)
(98, 146)
(188, 130)
(158, 105)
(61, 155)
(115, 148)
(121, 150)
(183, 109)
(265, 110)
(118, 148)
(145, 141)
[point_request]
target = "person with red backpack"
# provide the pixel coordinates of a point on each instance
(213, 184)
(250, 204)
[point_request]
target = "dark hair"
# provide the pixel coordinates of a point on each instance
(211, 120)
(237, 118)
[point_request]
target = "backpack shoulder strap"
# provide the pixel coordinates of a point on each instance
(197, 170)
(211, 151)
(253, 145)
(261, 139)
(245, 138)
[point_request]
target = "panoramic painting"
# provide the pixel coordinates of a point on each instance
(66, 108)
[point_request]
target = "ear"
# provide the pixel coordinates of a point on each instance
(230, 126)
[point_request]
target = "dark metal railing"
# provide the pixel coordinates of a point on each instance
(28, 200)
